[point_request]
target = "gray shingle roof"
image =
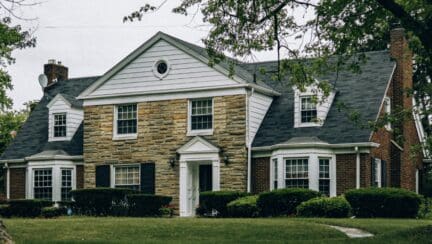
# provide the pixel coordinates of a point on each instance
(33, 136)
(362, 92)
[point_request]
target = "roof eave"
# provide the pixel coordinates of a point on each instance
(316, 145)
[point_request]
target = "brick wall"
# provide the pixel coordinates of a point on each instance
(17, 183)
(346, 172)
(79, 176)
(162, 127)
(260, 173)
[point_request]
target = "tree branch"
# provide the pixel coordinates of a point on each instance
(283, 5)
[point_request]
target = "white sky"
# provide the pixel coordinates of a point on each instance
(89, 37)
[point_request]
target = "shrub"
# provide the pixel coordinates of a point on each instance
(243, 207)
(425, 210)
(335, 207)
(146, 205)
(5, 211)
(101, 201)
(384, 202)
(27, 207)
(51, 212)
(283, 201)
(217, 200)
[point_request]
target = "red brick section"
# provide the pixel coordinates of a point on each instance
(401, 165)
(79, 176)
(260, 172)
(346, 172)
(17, 183)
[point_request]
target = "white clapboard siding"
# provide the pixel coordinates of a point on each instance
(258, 107)
(185, 72)
(74, 118)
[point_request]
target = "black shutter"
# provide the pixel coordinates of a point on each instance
(148, 178)
(383, 173)
(103, 176)
(373, 174)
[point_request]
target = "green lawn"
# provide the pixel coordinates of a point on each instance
(202, 230)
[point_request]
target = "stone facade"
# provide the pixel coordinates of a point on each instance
(162, 128)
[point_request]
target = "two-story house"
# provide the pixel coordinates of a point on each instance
(164, 122)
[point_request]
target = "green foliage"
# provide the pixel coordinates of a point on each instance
(283, 201)
(101, 201)
(243, 207)
(51, 212)
(217, 200)
(426, 208)
(384, 202)
(335, 207)
(25, 207)
(146, 205)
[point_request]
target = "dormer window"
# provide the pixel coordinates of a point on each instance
(308, 110)
(59, 125)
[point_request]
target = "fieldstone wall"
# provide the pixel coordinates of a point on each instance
(162, 128)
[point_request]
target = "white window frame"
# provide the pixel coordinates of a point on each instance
(61, 180)
(129, 136)
(56, 166)
(54, 126)
(301, 110)
(52, 181)
(319, 173)
(113, 174)
(155, 71)
(274, 173)
(203, 132)
(387, 110)
(308, 171)
(378, 173)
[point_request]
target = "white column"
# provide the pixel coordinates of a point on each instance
(314, 172)
(216, 175)
(357, 168)
(7, 181)
(56, 183)
(417, 181)
(183, 189)
(29, 183)
(333, 176)
(281, 172)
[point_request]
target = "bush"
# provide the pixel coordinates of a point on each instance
(335, 207)
(425, 210)
(101, 201)
(147, 205)
(283, 201)
(217, 200)
(5, 211)
(51, 212)
(243, 207)
(384, 202)
(27, 207)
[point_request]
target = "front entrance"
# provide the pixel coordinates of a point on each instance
(199, 171)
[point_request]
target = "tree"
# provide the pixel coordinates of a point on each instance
(12, 37)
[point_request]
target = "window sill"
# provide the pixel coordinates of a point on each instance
(308, 125)
(200, 133)
(59, 139)
(125, 137)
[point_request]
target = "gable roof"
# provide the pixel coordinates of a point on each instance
(361, 92)
(32, 138)
(240, 75)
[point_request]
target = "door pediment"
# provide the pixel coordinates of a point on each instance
(198, 145)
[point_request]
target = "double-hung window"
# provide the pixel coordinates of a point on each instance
(201, 114)
(127, 177)
(42, 184)
(297, 173)
(59, 125)
(126, 119)
(66, 184)
(324, 176)
(308, 110)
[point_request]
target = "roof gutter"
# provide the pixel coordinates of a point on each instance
(54, 157)
(19, 160)
(316, 145)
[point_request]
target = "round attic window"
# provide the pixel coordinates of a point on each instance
(161, 68)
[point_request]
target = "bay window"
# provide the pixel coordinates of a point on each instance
(66, 184)
(297, 173)
(42, 183)
(324, 176)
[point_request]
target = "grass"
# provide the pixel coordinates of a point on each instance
(203, 230)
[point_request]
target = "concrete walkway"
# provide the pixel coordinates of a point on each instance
(352, 232)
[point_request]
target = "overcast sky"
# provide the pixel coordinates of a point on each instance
(89, 37)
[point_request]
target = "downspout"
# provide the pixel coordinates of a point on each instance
(249, 147)
(7, 181)
(356, 149)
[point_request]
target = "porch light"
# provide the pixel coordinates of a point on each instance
(225, 158)
(171, 162)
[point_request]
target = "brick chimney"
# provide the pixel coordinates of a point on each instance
(55, 71)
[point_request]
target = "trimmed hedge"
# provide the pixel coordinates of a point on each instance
(384, 202)
(283, 201)
(243, 207)
(146, 205)
(101, 201)
(27, 207)
(51, 212)
(217, 200)
(334, 207)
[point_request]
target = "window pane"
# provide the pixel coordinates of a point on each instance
(324, 176)
(66, 184)
(42, 184)
(202, 114)
(127, 177)
(127, 119)
(308, 110)
(60, 125)
(297, 173)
